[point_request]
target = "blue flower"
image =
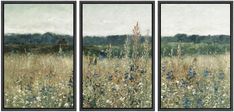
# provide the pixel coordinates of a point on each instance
(199, 103)
(186, 102)
(206, 73)
(183, 83)
(216, 86)
(191, 73)
(221, 75)
(169, 75)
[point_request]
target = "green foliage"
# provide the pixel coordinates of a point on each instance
(193, 49)
(114, 40)
(216, 39)
(37, 43)
(36, 39)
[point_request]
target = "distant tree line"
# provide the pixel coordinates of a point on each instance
(195, 44)
(209, 39)
(112, 39)
(38, 43)
(36, 39)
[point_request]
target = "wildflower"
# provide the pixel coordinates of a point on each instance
(170, 75)
(206, 73)
(52, 97)
(221, 75)
(191, 73)
(70, 83)
(215, 86)
(110, 77)
(143, 70)
(19, 90)
(122, 98)
(108, 101)
(117, 87)
(66, 105)
(127, 76)
(186, 102)
(140, 84)
(222, 102)
(199, 103)
(163, 67)
(194, 91)
(60, 104)
(15, 97)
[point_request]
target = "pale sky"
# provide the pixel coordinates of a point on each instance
(38, 18)
(202, 19)
(116, 19)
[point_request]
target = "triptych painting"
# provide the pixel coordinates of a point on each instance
(116, 54)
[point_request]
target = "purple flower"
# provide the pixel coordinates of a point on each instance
(169, 75)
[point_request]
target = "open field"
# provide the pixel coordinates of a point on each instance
(118, 76)
(117, 83)
(198, 81)
(38, 80)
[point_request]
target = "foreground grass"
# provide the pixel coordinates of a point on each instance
(116, 83)
(38, 81)
(195, 81)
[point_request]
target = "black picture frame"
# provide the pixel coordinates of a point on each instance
(74, 55)
(81, 54)
(159, 55)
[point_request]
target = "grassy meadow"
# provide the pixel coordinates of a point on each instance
(195, 79)
(38, 80)
(122, 79)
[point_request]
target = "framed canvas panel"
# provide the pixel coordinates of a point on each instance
(38, 55)
(195, 55)
(117, 55)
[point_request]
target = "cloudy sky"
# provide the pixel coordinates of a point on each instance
(38, 18)
(202, 19)
(116, 19)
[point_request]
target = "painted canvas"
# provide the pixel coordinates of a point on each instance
(38, 55)
(195, 55)
(117, 55)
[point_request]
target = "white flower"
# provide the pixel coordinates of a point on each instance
(117, 87)
(122, 98)
(38, 98)
(108, 101)
(15, 97)
(66, 105)
(140, 84)
(194, 91)
(18, 90)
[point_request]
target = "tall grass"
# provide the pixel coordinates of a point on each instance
(119, 81)
(38, 81)
(199, 81)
